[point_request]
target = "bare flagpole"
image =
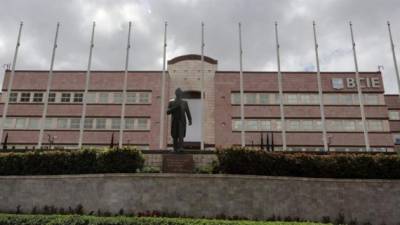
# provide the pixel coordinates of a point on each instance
(360, 96)
(281, 106)
(320, 94)
(46, 96)
(394, 57)
(202, 88)
(85, 95)
(162, 110)
(242, 131)
(125, 86)
(10, 82)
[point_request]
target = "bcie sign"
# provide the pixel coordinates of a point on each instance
(365, 82)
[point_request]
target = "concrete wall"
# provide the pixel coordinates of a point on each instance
(375, 201)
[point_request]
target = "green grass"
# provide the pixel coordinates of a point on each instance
(13, 219)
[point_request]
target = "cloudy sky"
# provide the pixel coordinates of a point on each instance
(221, 19)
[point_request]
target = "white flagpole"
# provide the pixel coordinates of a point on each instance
(10, 82)
(281, 106)
(125, 86)
(46, 96)
(394, 57)
(82, 122)
(242, 132)
(202, 88)
(360, 96)
(320, 94)
(162, 110)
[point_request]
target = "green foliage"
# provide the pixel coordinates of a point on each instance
(71, 162)
(255, 162)
(9, 219)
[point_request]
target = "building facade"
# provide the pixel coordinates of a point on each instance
(222, 123)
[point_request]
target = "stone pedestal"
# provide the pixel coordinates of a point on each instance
(177, 163)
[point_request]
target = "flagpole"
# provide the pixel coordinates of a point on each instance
(202, 88)
(46, 96)
(320, 94)
(162, 110)
(242, 132)
(394, 57)
(85, 95)
(359, 91)
(10, 82)
(125, 86)
(281, 106)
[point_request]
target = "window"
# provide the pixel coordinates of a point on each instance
(49, 123)
(103, 97)
(129, 123)
(292, 99)
(117, 97)
(88, 123)
(100, 123)
(78, 97)
(349, 125)
(52, 97)
(25, 97)
(62, 123)
(394, 115)
(142, 124)
(65, 97)
(264, 98)
(375, 125)
(293, 125)
(75, 123)
(144, 97)
(250, 98)
(115, 123)
(307, 125)
(20, 123)
(9, 123)
(91, 97)
(371, 99)
(130, 97)
(33, 123)
(13, 97)
(37, 97)
(251, 125)
(235, 98)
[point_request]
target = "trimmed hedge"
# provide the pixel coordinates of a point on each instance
(256, 162)
(71, 162)
(10, 219)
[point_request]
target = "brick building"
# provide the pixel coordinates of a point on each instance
(222, 123)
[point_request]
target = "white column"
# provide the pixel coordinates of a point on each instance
(203, 110)
(243, 125)
(125, 85)
(162, 110)
(396, 69)
(82, 123)
(320, 94)
(359, 91)
(10, 82)
(46, 95)
(281, 106)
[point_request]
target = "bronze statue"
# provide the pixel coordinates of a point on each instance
(179, 110)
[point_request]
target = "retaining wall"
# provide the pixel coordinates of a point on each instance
(197, 195)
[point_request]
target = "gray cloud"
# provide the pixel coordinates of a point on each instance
(221, 33)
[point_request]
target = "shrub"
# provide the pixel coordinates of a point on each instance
(255, 162)
(71, 162)
(8, 219)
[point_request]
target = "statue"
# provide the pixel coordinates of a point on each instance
(179, 110)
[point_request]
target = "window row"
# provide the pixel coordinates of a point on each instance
(77, 97)
(306, 99)
(32, 123)
(309, 125)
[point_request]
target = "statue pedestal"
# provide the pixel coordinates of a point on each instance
(177, 163)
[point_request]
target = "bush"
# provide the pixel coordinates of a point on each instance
(8, 219)
(71, 162)
(255, 162)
